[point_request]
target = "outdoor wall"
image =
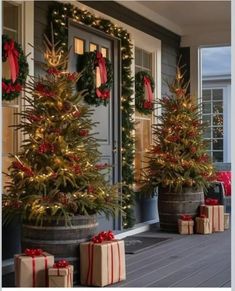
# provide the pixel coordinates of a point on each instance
(169, 62)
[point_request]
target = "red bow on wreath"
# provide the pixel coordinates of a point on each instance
(105, 94)
(8, 88)
(103, 236)
(61, 264)
(33, 252)
(102, 67)
(12, 55)
(185, 217)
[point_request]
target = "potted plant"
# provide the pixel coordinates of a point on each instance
(56, 181)
(177, 162)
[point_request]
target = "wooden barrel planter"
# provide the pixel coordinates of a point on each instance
(60, 240)
(172, 204)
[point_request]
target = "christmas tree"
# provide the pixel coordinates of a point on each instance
(178, 157)
(57, 172)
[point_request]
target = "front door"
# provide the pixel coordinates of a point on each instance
(86, 39)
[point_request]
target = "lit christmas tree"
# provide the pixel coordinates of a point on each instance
(178, 157)
(57, 173)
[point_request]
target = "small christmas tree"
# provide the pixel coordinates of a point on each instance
(178, 157)
(57, 173)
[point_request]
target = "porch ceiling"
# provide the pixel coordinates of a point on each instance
(185, 17)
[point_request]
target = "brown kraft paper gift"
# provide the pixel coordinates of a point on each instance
(215, 213)
(32, 271)
(185, 226)
(61, 277)
(103, 263)
(203, 225)
(226, 220)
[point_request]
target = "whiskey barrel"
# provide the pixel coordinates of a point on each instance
(60, 240)
(172, 204)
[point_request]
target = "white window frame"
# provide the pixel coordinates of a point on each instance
(226, 117)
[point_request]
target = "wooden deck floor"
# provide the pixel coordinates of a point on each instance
(184, 261)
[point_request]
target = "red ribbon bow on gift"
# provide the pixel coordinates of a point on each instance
(13, 56)
(211, 201)
(102, 66)
(148, 88)
(103, 236)
(202, 216)
(61, 264)
(33, 252)
(185, 217)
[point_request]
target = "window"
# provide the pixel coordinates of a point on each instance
(216, 100)
(143, 123)
(212, 115)
(10, 138)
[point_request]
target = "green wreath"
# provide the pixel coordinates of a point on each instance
(87, 64)
(13, 52)
(143, 105)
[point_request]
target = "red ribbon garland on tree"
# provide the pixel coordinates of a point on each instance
(13, 56)
(148, 104)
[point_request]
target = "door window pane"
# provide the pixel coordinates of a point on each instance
(79, 45)
(93, 47)
(104, 52)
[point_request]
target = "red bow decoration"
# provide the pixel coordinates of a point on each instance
(149, 93)
(102, 66)
(185, 217)
(211, 201)
(8, 88)
(13, 56)
(61, 264)
(33, 252)
(202, 216)
(103, 236)
(105, 94)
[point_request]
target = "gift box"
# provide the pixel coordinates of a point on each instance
(102, 262)
(226, 220)
(215, 213)
(61, 274)
(203, 225)
(185, 224)
(31, 268)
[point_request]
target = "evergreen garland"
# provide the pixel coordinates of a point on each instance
(59, 14)
(141, 104)
(10, 90)
(87, 64)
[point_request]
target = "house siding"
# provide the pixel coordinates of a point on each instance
(168, 68)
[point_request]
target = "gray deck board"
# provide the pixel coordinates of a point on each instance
(183, 261)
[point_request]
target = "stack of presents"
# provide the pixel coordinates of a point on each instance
(211, 219)
(102, 262)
